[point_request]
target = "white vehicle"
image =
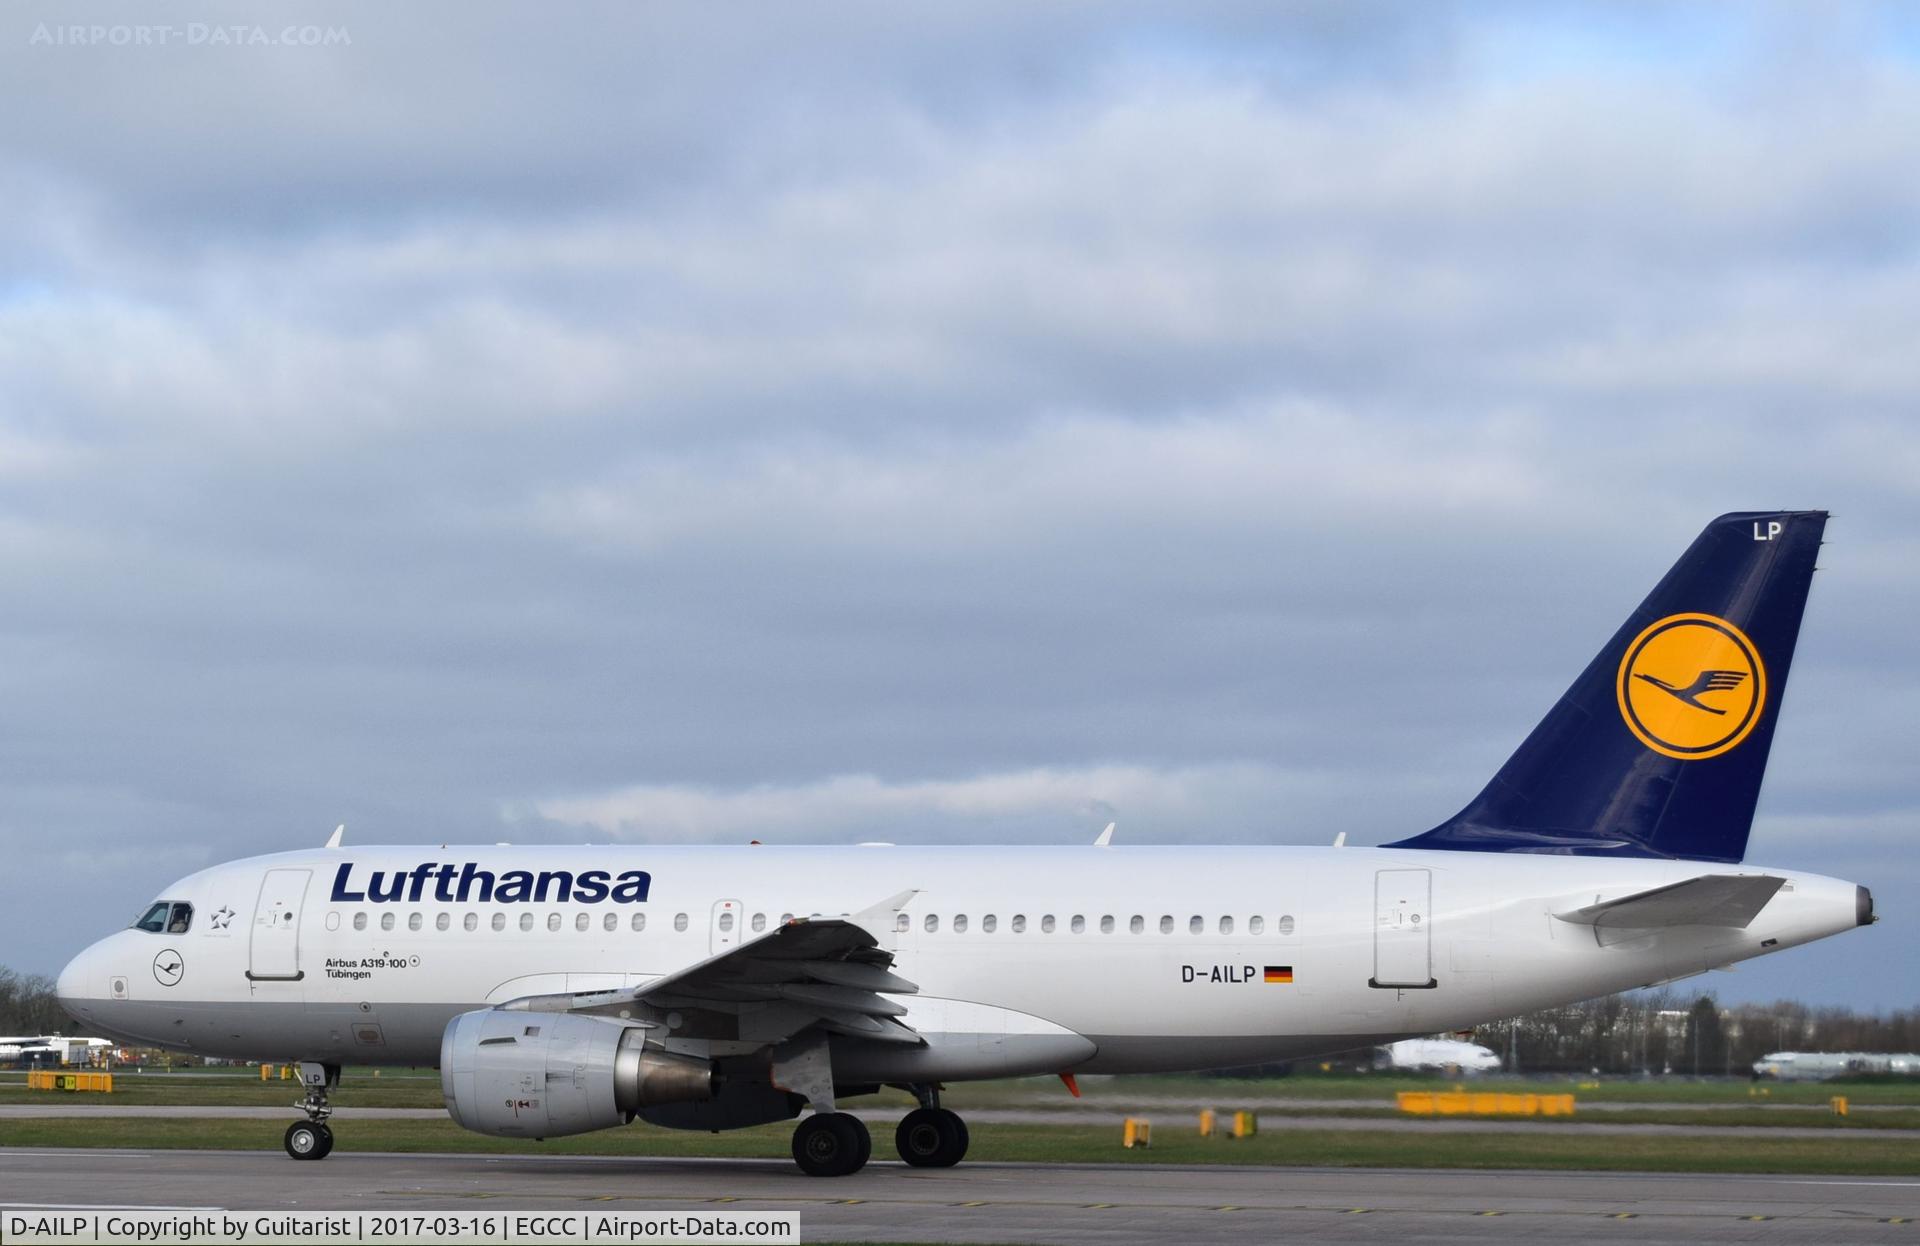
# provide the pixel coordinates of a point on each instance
(1820, 1066)
(1445, 1054)
(564, 989)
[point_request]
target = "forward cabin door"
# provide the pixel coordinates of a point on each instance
(1403, 929)
(727, 918)
(275, 955)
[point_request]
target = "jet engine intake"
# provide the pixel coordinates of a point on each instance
(545, 1075)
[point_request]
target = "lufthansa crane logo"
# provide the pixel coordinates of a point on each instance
(168, 968)
(1691, 686)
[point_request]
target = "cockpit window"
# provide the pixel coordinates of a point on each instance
(166, 917)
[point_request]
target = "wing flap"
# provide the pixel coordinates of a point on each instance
(830, 972)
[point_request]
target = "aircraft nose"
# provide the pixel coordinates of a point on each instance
(76, 987)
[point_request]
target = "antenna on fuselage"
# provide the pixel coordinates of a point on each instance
(333, 840)
(1340, 840)
(1106, 837)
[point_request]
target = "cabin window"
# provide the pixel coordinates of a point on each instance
(443, 921)
(359, 921)
(1046, 924)
(639, 922)
(1226, 925)
(902, 922)
(333, 921)
(933, 923)
(1019, 923)
(679, 921)
(1106, 924)
(386, 921)
(499, 921)
(553, 921)
(582, 920)
(1166, 923)
(1256, 924)
(726, 922)
(610, 923)
(960, 923)
(987, 923)
(785, 918)
(415, 921)
(526, 921)
(470, 922)
(1137, 925)
(1078, 925)
(1196, 924)
(760, 922)
(1284, 925)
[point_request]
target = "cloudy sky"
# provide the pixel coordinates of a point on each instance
(836, 422)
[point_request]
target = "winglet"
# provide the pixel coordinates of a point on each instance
(878, 920)
(333, 840)
(1106, 837)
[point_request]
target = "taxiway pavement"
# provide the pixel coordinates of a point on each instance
(1107, 1204)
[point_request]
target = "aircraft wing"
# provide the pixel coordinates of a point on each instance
(831, 972)
(1710, 900)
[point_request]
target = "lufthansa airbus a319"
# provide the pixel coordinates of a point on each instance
(566, 989)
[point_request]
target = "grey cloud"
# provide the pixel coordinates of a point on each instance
(462, 432)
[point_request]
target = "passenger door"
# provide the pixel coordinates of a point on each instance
(1403, 929)
(275, 951)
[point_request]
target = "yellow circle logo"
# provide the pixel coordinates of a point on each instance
(1691, 686)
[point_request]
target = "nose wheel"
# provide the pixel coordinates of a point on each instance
(931, 1138)
(309, 1140)
(312, 1138)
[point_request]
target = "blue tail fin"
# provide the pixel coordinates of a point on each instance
(1658, 748)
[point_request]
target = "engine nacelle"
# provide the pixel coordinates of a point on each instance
(547, 1074)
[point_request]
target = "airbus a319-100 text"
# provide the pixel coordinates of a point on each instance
(565, 989)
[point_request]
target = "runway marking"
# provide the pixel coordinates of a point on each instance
(1489, 1213)
(1896, 1220)
(1756, 1217)
(1623, 1215)
(1356, 1211)
(1228, 1207)
(975, 1203)
(1096, 1206)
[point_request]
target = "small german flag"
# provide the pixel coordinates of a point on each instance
(1280, 973)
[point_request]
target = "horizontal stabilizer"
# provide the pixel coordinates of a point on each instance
(1710, 900)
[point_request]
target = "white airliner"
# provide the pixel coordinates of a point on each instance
(1446, 1054)
(565, 989)
(57, 1048)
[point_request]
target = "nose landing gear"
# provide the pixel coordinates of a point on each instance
(313, 1138)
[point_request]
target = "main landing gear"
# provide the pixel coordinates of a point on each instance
(313, 1138)
(837, 1144)
(930, 1136)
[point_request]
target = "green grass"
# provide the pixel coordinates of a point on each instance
(1545, 1149)
(1723, 1103)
